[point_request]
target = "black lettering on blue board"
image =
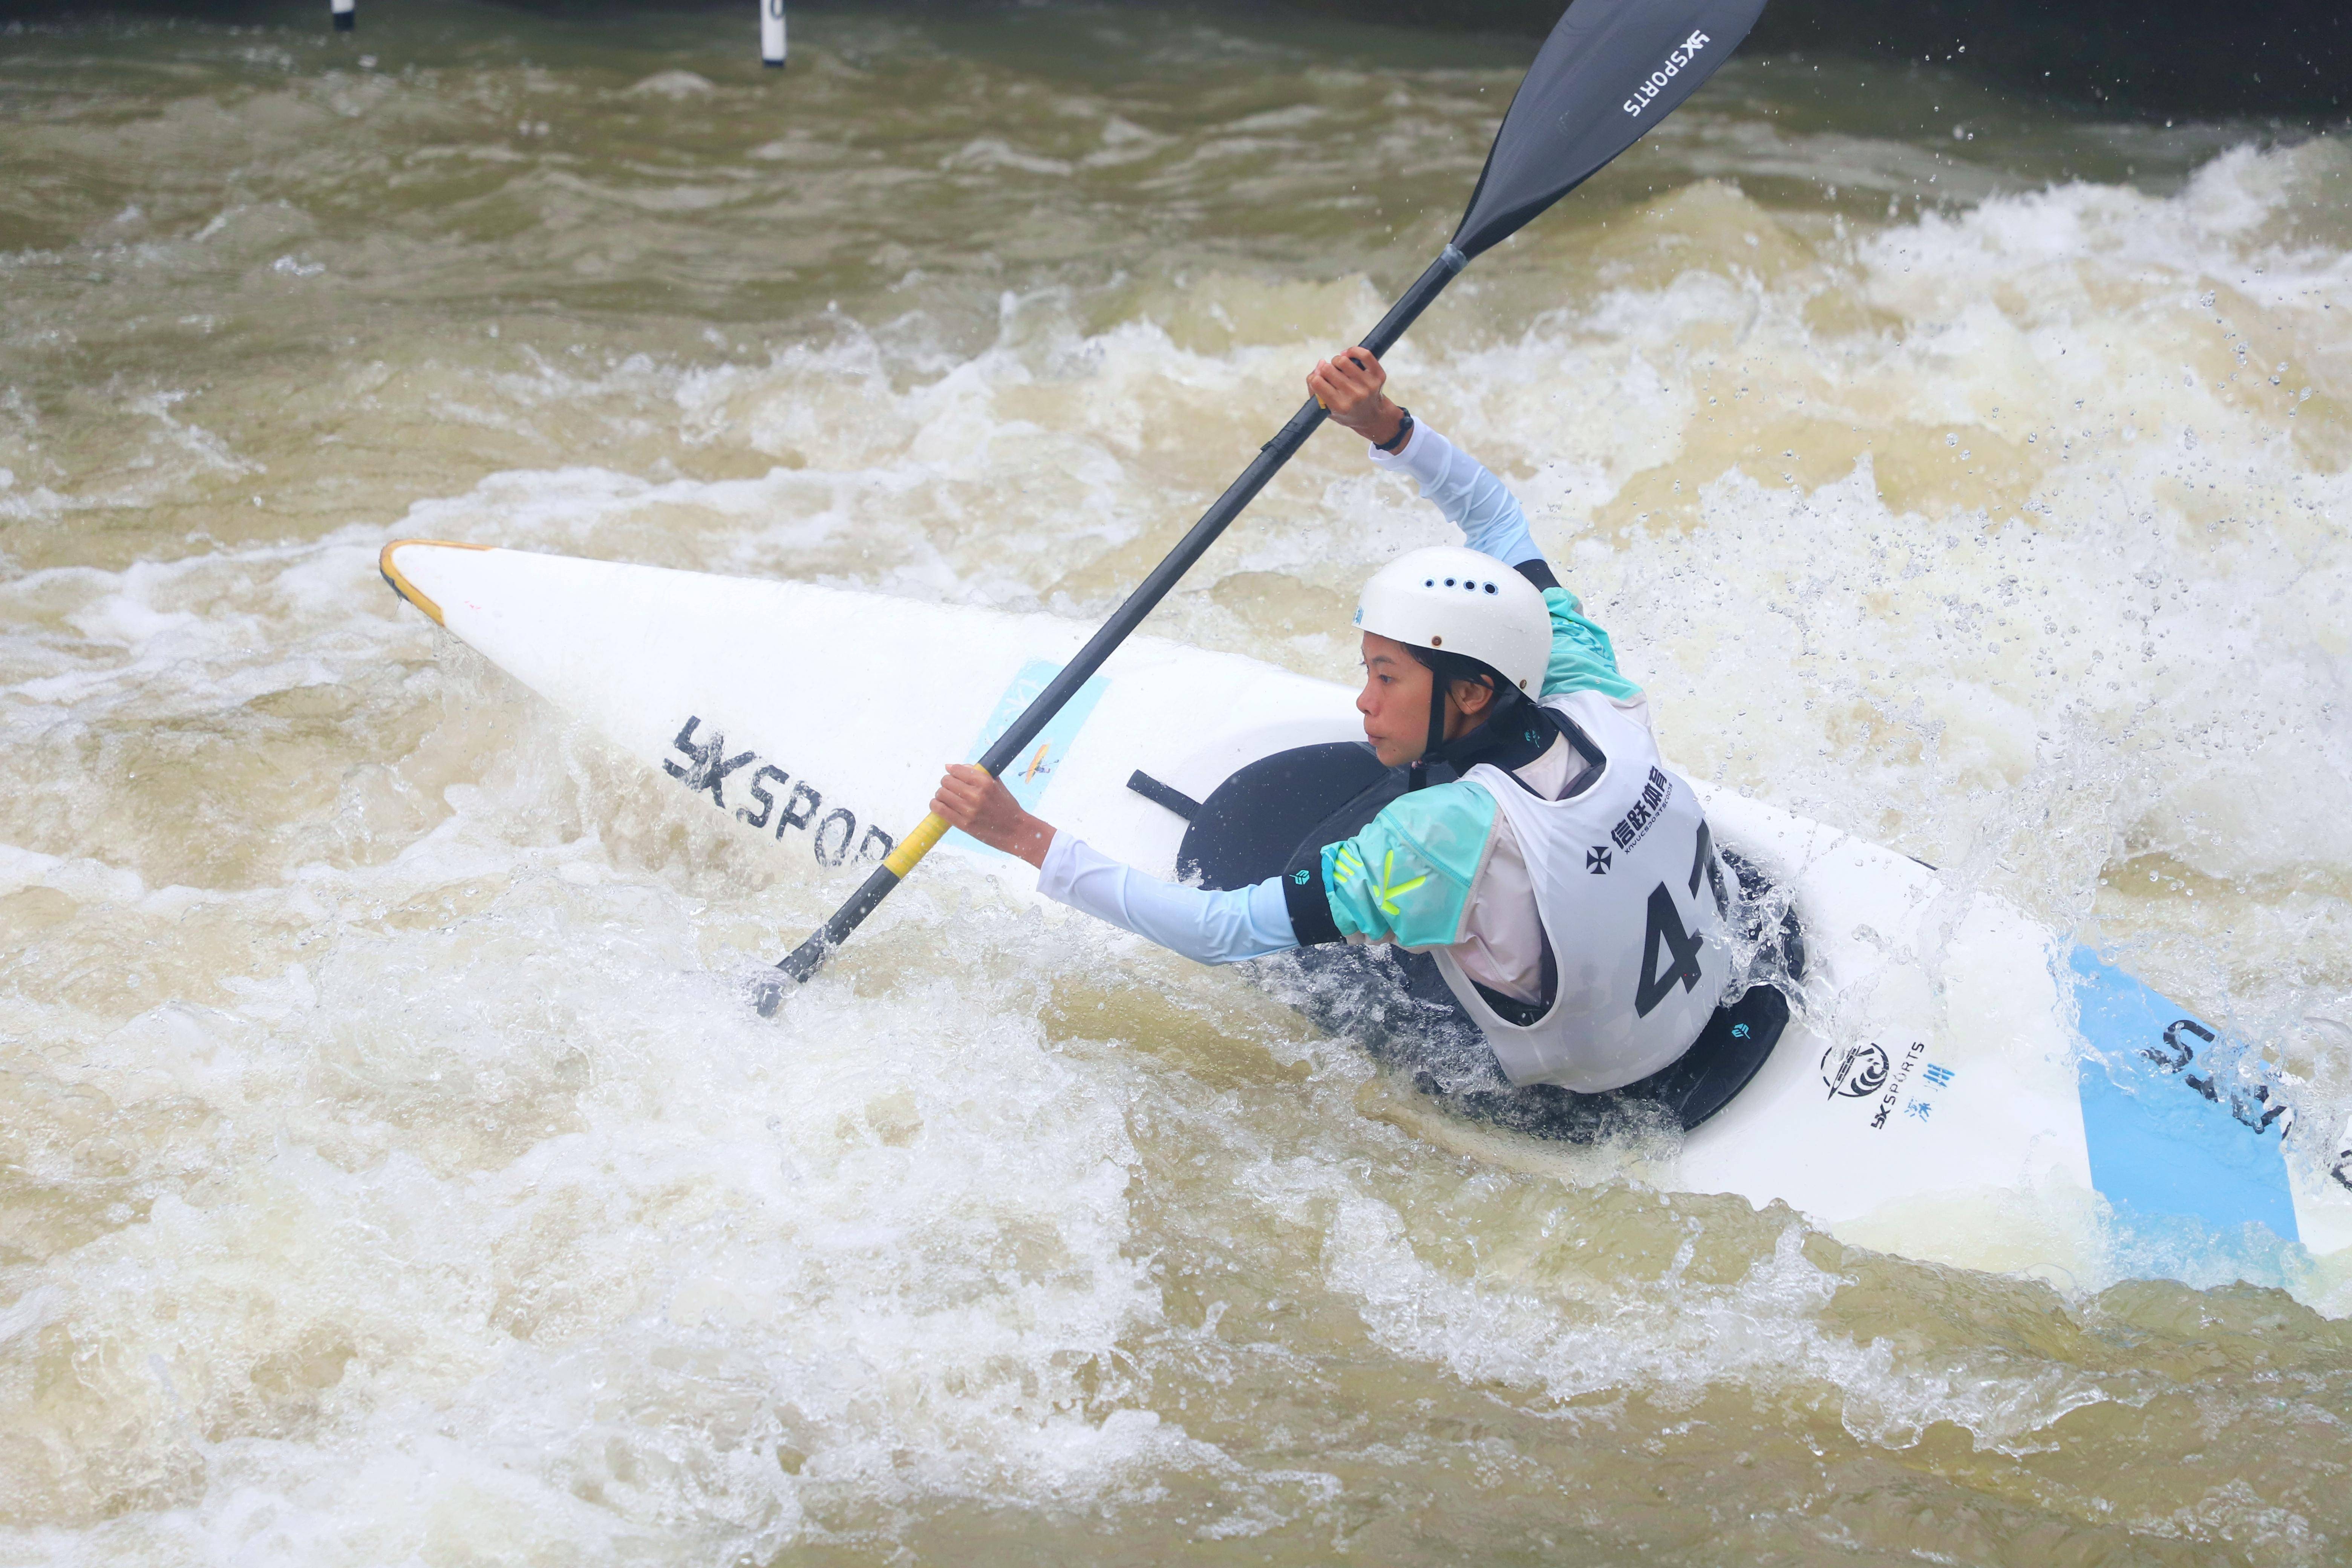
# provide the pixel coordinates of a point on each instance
(867, 850)
(795, 815)
(2260, 1112)
(848, 820)
(2172, 1038)
(759, 793)
(708, 765)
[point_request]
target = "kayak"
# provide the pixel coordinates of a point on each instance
(1944, 1078)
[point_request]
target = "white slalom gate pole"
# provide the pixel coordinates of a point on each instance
(345, 20)
(771, 31)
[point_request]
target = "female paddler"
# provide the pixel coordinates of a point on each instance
(1561, 873)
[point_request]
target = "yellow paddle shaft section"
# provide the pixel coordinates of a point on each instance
(911, 850)
(916, 844)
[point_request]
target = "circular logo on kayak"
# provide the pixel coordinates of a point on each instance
(1855, 1071)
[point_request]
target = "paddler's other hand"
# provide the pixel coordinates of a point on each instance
(1349, 383)
(984, 808)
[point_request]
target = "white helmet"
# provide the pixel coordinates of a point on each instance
(1460, 602)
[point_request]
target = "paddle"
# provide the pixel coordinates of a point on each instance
(1610, 70)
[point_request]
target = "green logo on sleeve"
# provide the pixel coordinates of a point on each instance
(1385, 889)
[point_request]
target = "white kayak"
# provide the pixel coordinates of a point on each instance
(1954, 1084)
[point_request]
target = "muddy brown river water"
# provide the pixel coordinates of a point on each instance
(389, 1172)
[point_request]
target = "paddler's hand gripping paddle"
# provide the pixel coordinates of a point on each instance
(1610, 70)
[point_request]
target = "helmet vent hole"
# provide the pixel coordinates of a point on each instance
(1436, 642)
(1449, 582)
(1490, 587)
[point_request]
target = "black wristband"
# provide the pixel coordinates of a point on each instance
(1395, 443)
(1310, 908)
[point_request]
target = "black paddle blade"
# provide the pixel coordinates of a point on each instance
(1611, 69)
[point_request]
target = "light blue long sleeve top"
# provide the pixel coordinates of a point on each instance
(1224, 927)
(1472, 499)
(1211, 927)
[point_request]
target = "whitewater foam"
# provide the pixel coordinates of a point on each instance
(395, 1172)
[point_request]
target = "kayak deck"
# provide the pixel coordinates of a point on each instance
(1930, 1094)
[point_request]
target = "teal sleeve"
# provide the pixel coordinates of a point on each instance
(1582, 657)
(1407, 877)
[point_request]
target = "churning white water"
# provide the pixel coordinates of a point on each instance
(389, 1169)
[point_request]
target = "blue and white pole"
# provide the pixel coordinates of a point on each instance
(345, 20)
(771, 31)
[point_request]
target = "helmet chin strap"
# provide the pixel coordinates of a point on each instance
(1434, 746)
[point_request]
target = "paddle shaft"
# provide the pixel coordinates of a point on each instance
(804, 959)
(1568, 118)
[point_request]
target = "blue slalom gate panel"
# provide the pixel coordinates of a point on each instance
(2176, 1129)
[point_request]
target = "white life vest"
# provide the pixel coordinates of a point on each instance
(1632, 899)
